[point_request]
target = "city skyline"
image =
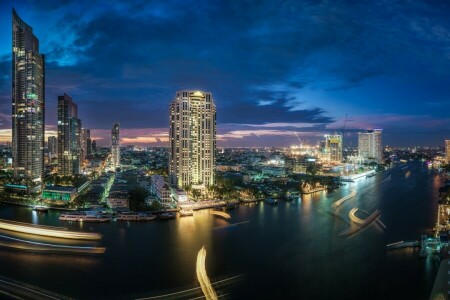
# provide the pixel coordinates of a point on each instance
(308, 92)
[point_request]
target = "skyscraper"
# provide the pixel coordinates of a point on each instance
(85, 142)
(52, 146)
(192, 136)
(370, 146)
(447, 151)
(333, 147)
(115, 146)
(28, 102)
(69, 136)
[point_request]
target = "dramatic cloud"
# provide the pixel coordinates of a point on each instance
(266, 62)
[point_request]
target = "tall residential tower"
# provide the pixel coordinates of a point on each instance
(447, 151)
(370, 146)
(333, 147)
(192, 137)
(28, 102)
(115, 146)
(69, 137)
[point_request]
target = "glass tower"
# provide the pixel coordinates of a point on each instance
(115, 146)
(69, 137)
(28, 102)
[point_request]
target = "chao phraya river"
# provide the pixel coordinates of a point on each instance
(289, 251)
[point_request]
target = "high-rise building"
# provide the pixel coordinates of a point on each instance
(192, 139)
(333, 147)
(447, 151)
(52, 146)
(85, 142)
(94, 146)
(69, 137)
(28, 102)
(370, 146)
(115, 146)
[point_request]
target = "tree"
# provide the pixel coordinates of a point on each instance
(196, 193)
(137, 196)
(311, 169)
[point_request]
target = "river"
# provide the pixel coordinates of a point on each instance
(290, 251)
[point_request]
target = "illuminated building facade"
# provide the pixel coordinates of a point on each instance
(115, 146)
(28, 102)
(447, 151)
(85, 142)
(192, 136)
(69, 137)
(370, 145)
(52, 145)
(333, 147)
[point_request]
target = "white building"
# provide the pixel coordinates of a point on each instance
(192, 139)
(370, 146)
(160, 188)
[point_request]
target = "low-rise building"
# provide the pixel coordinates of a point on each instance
(118, 199)
(160, 188)
(180, 195)
(59, 193)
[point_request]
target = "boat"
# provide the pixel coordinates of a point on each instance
(85, 217)
(271, 201)
(293, 196)
(402, 244)
(167, 215)
(423, 253)
(132, 216)
(186, 213)
(40, 208)
(231, 206)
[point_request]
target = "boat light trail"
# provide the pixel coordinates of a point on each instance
(205, 283)
(44, 247)
(342, 200)
(57, 232)
(354, 229)
(230, 225)
(354, 218)
(192, 291)
(221, 214)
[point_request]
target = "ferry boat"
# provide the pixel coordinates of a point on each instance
(271, 201)
(132, 216)
(167, 215)
(40, 208)
(186, 213)
(85, 217)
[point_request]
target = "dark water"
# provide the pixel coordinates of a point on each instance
(287, 252)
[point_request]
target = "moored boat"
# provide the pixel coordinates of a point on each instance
(167, 215)
(271, 201)
(85, 217)
(132, 216)
(40, 208)
(186, 213)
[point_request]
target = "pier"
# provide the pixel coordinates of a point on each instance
(402, 244)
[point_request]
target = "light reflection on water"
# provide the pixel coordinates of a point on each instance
(291, 251)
